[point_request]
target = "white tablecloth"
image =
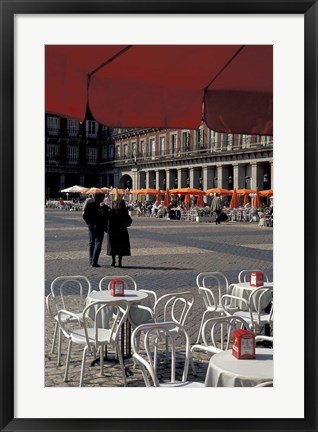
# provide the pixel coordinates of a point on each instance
(225, 370)
(243, 290)
(136, 316)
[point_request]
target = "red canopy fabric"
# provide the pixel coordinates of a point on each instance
(158, 86)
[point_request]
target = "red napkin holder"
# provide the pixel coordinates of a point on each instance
(257, 279)
(117, 287)
(243, 344)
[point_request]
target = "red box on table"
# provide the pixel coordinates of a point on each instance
(257, 279)
(117, 287)
(243, 344)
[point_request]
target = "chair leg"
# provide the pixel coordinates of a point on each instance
(194, 371)
(83, 366)
(201, 325)
(59, 347)
(68, 359)
(121, 361)
(54, 338)
(101, 360)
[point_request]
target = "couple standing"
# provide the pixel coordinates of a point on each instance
(100, 218)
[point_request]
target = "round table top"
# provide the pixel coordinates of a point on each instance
(247, 285)
(248, 371)
(130, 296)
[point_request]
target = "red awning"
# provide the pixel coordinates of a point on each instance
(163, 85)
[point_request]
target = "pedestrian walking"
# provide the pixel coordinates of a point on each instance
(118, 243)
(216, 208)
(93, 217)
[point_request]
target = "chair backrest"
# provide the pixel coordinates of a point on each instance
(174, 307)
(130, 283)
(64, 286)
(265, 384)
(260, 299)
(217, 332)
(148, 340)
(116, 315)
(212, 286)
(244, 275)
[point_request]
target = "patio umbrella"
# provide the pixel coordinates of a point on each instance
(200, 202)
(159, 195)
(266, 193)
(245, 191)
(220, 191)
(187, 191)
(146, 191)
(94, 190)
(234, 203)
(75, 189)
(167, 198)
(152, 85)
(256, 200)
(246, 199)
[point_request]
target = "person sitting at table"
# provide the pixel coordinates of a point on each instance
(154, 209)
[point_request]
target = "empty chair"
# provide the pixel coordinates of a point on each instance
(145, 356)
(216, 335)
(258, 309)
(62, 289)
(93, 337)
(245, 275)
(265, 384)
(212, 286)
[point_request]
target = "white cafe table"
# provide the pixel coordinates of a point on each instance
(243, 290)
(136, 316)
(225, 370)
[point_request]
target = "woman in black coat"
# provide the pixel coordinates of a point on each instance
(118, 238)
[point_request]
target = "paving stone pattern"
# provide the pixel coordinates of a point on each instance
(166, 257)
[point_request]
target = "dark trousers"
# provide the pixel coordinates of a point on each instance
(218, 216)
(95, 241)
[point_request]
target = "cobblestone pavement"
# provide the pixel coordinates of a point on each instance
(166, 257)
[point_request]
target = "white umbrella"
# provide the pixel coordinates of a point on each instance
(75, 189)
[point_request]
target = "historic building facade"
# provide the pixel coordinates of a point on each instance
(90, 154)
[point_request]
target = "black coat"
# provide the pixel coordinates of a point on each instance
(92, 215)
(118, 238)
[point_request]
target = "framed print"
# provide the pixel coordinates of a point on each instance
(26, 28)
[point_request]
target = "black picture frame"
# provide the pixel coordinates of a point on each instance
(8, 207)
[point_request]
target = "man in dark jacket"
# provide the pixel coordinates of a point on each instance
(93, 217)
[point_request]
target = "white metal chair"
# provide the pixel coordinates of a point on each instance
(212, 286)
(265, 384)
(57, 299)
(244, 275)
(146, 356)
(259, 300)
(93, 337)
(217, 335)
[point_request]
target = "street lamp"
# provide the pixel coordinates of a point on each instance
(215, 180)
(175, 182)
(230, 182)
(247, 179)
(265, 178)
(154, 183)
(164, 183)
(188, 182)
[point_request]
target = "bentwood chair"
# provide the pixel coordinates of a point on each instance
(212, 286)
(93, 337)
(67, 292)
(216, 335)
(173, 373)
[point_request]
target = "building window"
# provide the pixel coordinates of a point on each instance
(126, 151)
(111, 152)
(152, 148)
(134, 148)
(91, 153)
(53, 152)
(199, 138)
(143, 148)
(72, 154)
(72, 127)
(118, 151)
(104, 153)
(173, 144)
(162, 146)
(53, 125)
(213, 138)
(91, 128)
(185, 141)
(246, 141)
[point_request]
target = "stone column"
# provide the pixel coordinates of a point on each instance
(256, 177)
